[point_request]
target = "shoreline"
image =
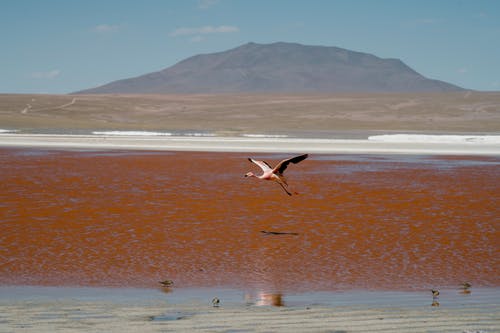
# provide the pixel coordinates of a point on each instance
(245, 144)
(62, 309)
(451, 297)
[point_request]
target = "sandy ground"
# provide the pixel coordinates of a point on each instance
(234, 114)
(108, 310)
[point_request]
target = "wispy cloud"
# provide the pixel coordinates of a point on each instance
(462, 70)
(105, 28)
(208, 29)
(46, 75)
(196, 39)
(205, 4)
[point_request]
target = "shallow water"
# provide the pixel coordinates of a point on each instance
(480, 299)
(117, 218)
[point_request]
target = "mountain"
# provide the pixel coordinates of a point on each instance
(280, 67)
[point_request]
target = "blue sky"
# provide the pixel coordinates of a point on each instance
(60, 46)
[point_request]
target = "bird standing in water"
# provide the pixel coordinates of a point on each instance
(435, 297)
(466, 288)
(276, 174)
(167, 283)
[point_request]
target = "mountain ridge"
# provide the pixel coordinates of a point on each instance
(282, 68)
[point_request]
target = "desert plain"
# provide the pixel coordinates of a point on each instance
(233, 114)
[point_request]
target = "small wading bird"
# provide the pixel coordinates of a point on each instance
(167, 283)
(466, 288)
(276, 173)
(435, 293)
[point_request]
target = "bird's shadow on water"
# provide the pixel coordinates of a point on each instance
(278, 233)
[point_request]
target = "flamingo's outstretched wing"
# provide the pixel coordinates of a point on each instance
(262, 164)
(281, 166)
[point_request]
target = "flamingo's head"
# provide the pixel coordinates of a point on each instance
(250, 174)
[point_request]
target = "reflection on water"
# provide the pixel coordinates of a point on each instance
(106, 219)
(262, 298)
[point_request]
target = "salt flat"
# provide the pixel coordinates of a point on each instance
(249, 144)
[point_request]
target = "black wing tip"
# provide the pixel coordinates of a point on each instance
(299, 158)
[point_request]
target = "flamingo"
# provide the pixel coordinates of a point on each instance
(276, 173)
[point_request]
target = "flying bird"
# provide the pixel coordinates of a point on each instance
(276, 174)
